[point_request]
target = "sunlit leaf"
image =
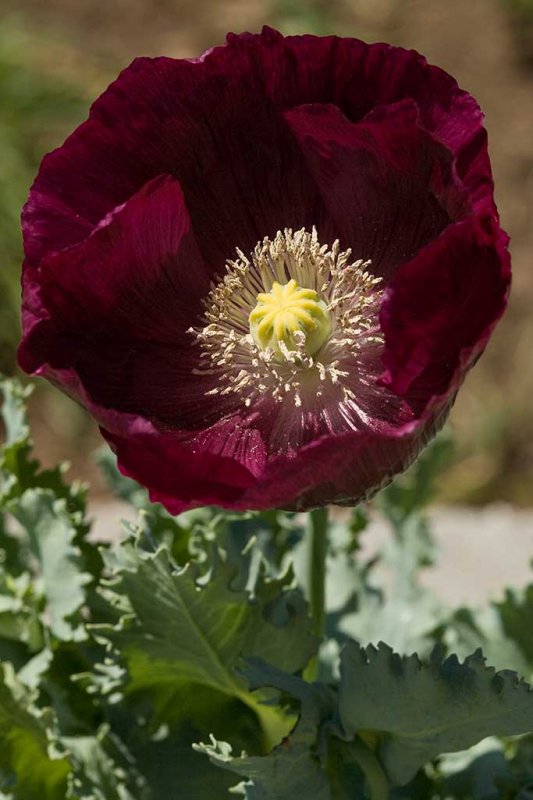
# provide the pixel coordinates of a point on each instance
(51, 535)
(293, 769)
(100, 771)
(184, 627)
(28, 763)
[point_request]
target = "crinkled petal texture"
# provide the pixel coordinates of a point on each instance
(180, 163)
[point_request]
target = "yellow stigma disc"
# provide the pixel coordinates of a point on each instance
(286, 312)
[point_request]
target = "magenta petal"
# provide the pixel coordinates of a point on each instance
(140, 274)
(357, 77)
(440, 308)
(210, 123)
(344, 470)
(334, 469)
(117, 307)
(388, 185)
(176, 477)
(192, 118)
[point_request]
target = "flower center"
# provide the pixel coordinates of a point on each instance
(295, 322)
(288, 316)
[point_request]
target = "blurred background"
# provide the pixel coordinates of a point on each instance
(57, 56)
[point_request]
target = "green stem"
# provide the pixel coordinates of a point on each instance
(378, 785)
(318, 532)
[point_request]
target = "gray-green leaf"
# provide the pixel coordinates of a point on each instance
(422, 709)
(293, 769)
(51, 535)
(185, 629)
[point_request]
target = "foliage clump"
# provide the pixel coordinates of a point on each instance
(181, 661)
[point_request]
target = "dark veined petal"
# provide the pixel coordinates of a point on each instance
(117, 308)
(441, 307)
(357, 77)
(225, 103)
(210, 123)
(177, 478)
(344, 469)
(388, 184)
(333, 469)
(132, 274)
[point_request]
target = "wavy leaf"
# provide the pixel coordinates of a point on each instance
(52, 541)
(293, 768)
(187, 628)
(420, 709)
(29, 765)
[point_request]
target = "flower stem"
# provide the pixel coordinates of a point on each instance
(318, 531)
(377, 783)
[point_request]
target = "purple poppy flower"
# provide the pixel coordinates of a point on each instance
(266, 271)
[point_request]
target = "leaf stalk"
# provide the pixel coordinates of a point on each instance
(377, 782)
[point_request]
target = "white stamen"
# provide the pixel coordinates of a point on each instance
(229, 351)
